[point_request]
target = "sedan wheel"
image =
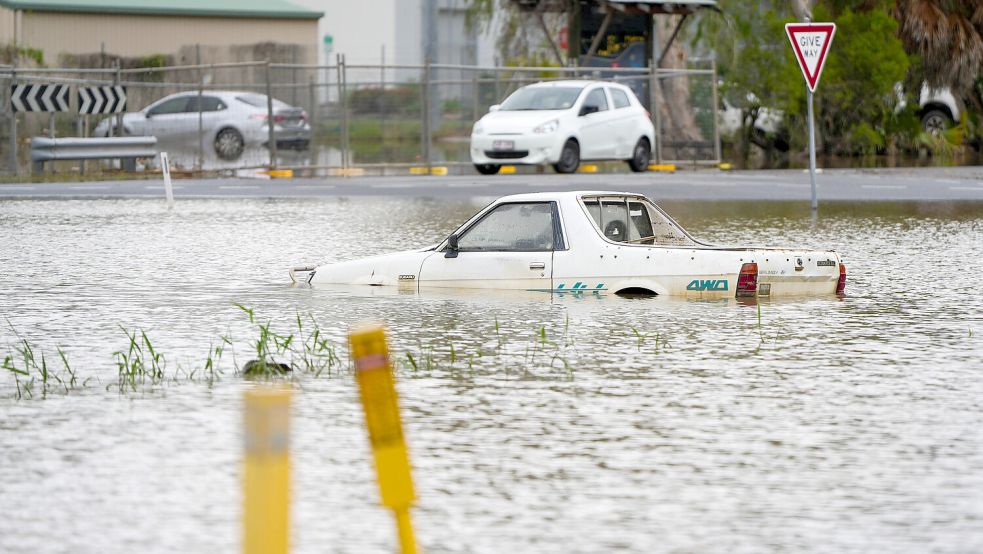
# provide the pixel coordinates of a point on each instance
(487, 169)
(229, 144)
(640, 156)
(569, 158)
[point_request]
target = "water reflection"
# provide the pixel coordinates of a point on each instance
(645, 425)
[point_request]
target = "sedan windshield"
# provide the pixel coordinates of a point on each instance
(541, 98)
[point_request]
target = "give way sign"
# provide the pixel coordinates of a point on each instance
(810, 42)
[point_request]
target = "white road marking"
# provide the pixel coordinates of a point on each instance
(948, 181)
(977, 189)
(317, 187)
(90, 187)
(883, 186)
(238, 187)
(161, 187)
(467, 185)
(393, 186)
(15, 187)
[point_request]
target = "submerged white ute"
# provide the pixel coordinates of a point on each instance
(589, 242)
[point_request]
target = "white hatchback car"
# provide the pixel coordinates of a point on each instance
(562, 123)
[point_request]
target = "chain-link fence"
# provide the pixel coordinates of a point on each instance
(334, 119)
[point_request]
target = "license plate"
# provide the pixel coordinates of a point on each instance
(503, 144)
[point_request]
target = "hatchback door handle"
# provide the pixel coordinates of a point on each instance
(537, 265)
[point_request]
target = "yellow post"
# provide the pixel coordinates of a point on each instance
(267, 473)
(380, 403)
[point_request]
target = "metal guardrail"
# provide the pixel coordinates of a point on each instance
(126, 149)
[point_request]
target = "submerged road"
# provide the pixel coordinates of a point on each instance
(915, 184)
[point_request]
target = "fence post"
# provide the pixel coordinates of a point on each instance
(426, 115)
(654, 107)
(13, 119)
(200, 161)
(713, 110)
(271, 135)
(117, 77)
(312, 118)
(346, 151)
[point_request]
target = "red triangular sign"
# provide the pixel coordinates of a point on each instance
(810, 42)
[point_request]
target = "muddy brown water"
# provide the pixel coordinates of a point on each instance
(848, 424)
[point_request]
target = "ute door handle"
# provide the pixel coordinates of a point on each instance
(537, 265)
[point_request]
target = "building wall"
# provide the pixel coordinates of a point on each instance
(141, 35)
(6, 26)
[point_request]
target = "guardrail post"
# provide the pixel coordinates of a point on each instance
(654, 108)
(271, 134)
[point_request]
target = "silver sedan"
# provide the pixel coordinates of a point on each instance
(230, 121)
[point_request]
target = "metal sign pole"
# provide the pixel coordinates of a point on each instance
(812, 152)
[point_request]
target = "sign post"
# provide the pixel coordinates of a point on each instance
(810, 42)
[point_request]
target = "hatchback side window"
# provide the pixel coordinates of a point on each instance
(174, 105)
(619, 98)
(596, 98)
(518, 227)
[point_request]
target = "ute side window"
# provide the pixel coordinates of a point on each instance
(634, 221)
(513, 227)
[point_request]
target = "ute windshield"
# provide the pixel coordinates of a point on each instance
(542, 98)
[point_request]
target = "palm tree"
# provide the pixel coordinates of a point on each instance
(946, 35)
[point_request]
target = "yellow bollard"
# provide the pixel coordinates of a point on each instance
(380, 403)
(266, 512)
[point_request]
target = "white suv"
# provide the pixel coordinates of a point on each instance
(562, 123)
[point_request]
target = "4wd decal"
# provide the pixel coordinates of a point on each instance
(826, 263)
(707, 284)
(407, 277)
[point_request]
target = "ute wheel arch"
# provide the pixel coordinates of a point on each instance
(636, 292)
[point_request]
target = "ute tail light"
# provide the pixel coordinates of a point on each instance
(841, 282)
(747, 282)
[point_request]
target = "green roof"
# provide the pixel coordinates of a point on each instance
(273, 9)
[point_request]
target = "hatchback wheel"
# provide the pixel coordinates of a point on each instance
(640, 156)
(569, 158)
(229, 144)
(487, 169)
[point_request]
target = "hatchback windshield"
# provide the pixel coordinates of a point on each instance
(542, 98)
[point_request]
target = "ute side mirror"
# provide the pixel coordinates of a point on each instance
(494, 107)
(587, 110)
(451, 246)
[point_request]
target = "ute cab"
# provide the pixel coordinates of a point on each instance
(589, 242)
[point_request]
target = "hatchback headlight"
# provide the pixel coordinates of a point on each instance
(548, 127)
(477, 129)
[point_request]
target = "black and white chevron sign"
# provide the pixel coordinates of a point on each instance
(109, 99)
(39, 98)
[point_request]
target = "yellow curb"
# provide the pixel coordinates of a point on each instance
(588, 169)
(436, 170)
(280, 173)
(662, 167)
(725, 166)
(507, 169)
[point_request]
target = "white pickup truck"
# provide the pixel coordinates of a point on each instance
(588, 242)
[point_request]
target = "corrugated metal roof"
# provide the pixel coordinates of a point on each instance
(274, 9)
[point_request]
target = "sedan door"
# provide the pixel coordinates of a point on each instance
(509, 247)
(596, 141)
(170, 120)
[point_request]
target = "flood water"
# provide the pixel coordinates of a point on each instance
(558, 424)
